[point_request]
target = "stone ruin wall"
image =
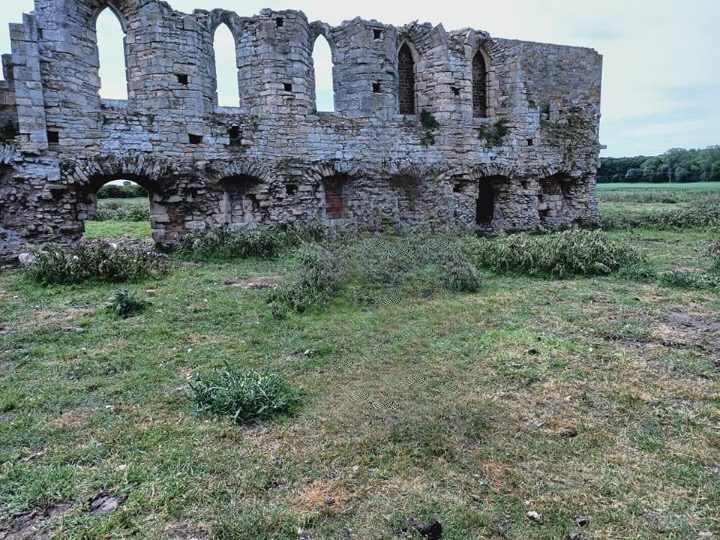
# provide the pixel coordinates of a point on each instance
(273, 159)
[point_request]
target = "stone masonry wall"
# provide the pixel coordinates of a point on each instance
(530, 162)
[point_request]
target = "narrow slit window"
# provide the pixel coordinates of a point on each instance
(479, 77)
(406, 80)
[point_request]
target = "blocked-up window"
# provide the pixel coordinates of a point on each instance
(334, 198)
(479, 87)
(406, 80)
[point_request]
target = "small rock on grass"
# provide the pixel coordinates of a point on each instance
(431, 531)
(582, 521)
(537, 517)
(106, 502)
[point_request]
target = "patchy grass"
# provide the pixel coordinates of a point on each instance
(117, 229)
(593, 396)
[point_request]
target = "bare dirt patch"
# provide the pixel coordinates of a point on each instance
(71, 419)
(30, 525)
(689, 330)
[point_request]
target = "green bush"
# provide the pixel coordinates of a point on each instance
(689, 280)
(114, 191)
(248, 396)
(95, 261)
(122, 210)
(315, 284)
(226, 243)
(559, 254)
(125, 303)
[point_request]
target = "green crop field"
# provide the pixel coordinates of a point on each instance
(646, 186)
(592, 400)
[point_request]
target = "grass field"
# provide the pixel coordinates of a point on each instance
(646, 186)
(593, 401)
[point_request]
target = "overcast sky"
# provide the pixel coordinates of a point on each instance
(661, 77)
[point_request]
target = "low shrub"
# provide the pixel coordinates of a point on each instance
(638, 272)
(95, 261)
(714, 254)
(458, 273)
(417, 260)
(226, 243)
(125, 302)
(123, 210)
(248, 396)
(315, 283)
(559, 254)
(689, 280)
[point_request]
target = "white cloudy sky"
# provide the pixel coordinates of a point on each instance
(661, 80)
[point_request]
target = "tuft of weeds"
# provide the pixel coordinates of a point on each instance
(315, 284)
(682, 279)
(247, 396)
(559, 255)
(95, 261)
(638, 272)
(714, 254)
(126, 302)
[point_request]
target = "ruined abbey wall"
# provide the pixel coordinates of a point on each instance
(509, 138)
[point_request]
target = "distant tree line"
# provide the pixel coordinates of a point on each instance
(129, 190)
(675, 165)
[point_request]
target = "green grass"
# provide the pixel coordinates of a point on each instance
(647, 186)
(117, 229)
(447, 406)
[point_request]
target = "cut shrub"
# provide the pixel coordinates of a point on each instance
(558, 254)
(95, 261)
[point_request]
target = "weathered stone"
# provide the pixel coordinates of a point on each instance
(515, 148)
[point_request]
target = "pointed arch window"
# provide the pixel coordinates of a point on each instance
(406, 80)
(323, 64)
(110, 38)
(479, 85)
(226, 67)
